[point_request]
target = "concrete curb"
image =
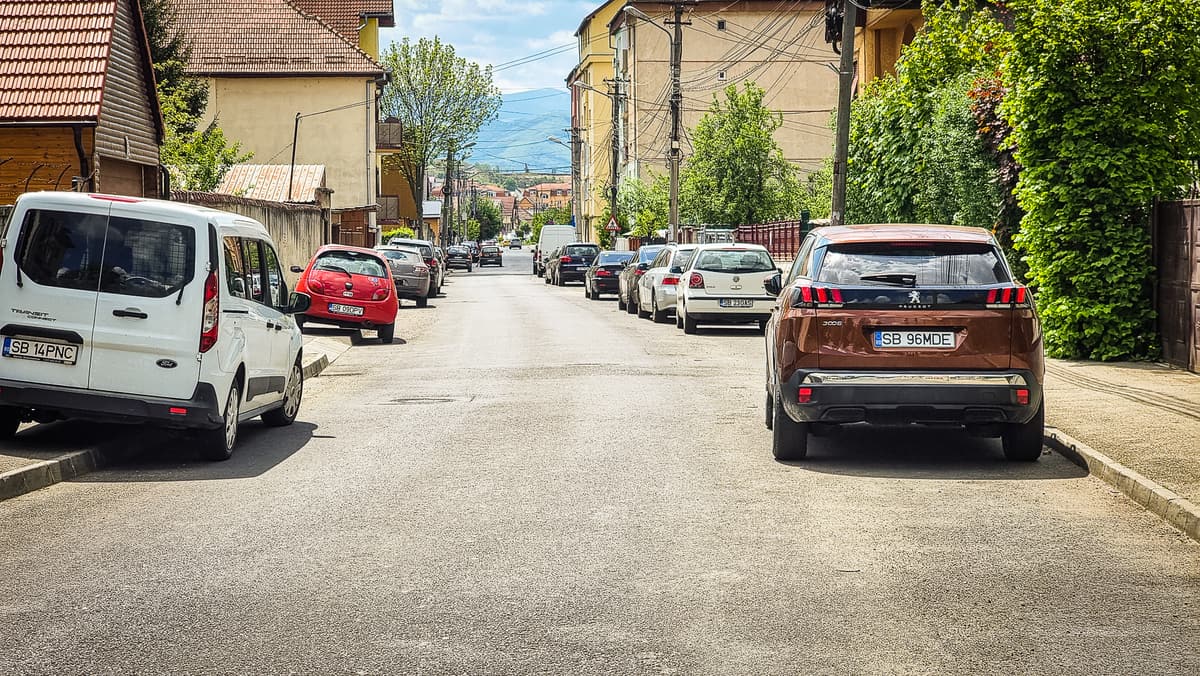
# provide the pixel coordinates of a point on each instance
(313, 368)
(1169, 505)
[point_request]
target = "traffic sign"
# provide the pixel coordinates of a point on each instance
(612, 225)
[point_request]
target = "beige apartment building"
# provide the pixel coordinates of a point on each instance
(778, 46)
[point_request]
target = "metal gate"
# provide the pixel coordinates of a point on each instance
(1177, 257)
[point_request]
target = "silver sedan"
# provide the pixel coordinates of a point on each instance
(409, 272)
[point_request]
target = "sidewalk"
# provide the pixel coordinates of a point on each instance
(42, 455)
(1143, 416)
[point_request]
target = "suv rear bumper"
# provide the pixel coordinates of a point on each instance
(904, 397)
(199, 411)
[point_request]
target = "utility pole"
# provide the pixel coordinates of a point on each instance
(446, 191)
(577, 181)
(841, 148)
(613, 174)
(676, 113)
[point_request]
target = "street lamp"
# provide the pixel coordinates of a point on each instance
(447, 225)
(676, 41)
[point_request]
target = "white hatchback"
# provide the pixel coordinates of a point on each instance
(657, 287)
(724, 284)
(144, 311)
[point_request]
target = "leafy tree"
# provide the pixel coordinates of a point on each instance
(737, 173)
(440, 98)
(402, 231)
(486, 214)
(1104, 116)
(644, 206)
(197, 157)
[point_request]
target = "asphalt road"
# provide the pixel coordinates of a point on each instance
(534, 482)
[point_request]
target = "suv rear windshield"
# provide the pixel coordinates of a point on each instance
(913, 264)
(581, 250)
(92, 252)
(393, 254)
(425, 249)
(350, 261)
(737, 261)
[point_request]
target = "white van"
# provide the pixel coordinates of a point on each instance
(552, 237)
(121, 309)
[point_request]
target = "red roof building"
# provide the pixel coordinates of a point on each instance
(78, 104)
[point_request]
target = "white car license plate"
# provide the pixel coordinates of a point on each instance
(914, 340)
(340, 309)
(59, 353)
(736, 302)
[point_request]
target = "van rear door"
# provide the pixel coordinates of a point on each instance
(148, 314)
(50, 289)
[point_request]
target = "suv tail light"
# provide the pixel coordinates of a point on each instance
(670, 280)
(696, 281)
(1009, 295)
(811, 296)
(210, 323)
(564, 259)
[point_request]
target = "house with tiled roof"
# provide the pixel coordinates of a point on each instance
(358, 21)
(293, 89)
(78, 104)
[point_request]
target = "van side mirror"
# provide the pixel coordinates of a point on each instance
(773, 285)
(298, 303)
(297, 269)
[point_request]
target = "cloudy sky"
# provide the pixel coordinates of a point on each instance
(498, 32)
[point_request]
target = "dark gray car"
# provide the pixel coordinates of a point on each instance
(409, 272)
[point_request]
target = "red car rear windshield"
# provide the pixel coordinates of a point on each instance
(912, 264)
(352, 262)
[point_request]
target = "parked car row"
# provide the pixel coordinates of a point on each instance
(882, 325)
(130, 310)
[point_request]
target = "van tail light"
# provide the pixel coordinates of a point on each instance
(316, 286)
(670, 280)
(1009, 295)
(210, 323)
(564, 259)
(812, 296)
(696, 281)
(380, 294)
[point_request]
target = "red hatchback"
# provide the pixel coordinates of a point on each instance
(351, 288)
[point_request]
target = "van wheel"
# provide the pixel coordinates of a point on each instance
(292, 394)
(386, 333)
(423, 301)
(217, 445)
(1023, 441)
(789, 439)
(10, 420)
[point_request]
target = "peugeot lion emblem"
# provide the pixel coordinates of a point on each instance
(914, 296)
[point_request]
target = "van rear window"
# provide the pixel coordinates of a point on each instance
(94, 253)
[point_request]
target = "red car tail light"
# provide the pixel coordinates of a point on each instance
(564, 259)
(811, 296)
(603, 273)
(420, 269)
(639, 273)
(696, 281)
(316, 286)
(1009, 295)
(210, 323)
(670, 280)
(380, 294)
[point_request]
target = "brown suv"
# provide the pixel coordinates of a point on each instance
(903, 324)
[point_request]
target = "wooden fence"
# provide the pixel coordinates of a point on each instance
(1177, 258)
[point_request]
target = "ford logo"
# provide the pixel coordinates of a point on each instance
(166, 363)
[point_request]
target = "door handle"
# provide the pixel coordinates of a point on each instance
(271, 325)
(131, 312)
(279, 327)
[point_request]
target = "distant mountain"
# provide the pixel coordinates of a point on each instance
(519, 136)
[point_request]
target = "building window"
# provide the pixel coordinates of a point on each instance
(721, 75)
(720, 24)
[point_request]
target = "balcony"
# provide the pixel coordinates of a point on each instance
(389, 136)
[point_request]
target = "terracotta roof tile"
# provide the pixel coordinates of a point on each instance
(266, 37)
(270, 181)
(345, 16)
(53, 58)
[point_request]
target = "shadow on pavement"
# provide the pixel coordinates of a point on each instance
(922, 453)
(47, 440)
(259, 449)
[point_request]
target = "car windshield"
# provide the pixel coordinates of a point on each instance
(353, 262)
(581, 251)
(737, 261)
(648, 253)
(614, 257)
(908, 264)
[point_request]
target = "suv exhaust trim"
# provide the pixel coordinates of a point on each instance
(850, 378)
